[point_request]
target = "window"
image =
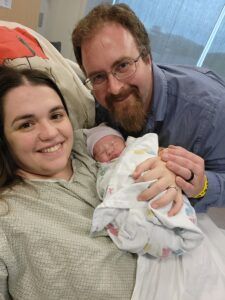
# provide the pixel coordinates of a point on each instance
(185, 31)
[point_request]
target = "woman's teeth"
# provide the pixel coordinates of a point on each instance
(51, 149)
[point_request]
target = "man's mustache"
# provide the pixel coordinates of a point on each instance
(111, 98)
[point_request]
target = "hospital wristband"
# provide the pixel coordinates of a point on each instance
(203, 191)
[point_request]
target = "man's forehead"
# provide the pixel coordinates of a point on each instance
(108, 45)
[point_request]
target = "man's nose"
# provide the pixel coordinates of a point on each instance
(114, 85)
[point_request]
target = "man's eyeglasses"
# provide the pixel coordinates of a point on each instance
(121, 71)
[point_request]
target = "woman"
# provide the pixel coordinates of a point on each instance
(48, 196)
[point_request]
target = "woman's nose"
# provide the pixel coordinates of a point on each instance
(47, 131)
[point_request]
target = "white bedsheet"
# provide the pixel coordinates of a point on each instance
(199, 275)
(215, 234)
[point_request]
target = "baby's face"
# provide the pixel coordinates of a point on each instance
(108, 148)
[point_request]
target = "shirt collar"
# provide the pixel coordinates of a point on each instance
(159, 99)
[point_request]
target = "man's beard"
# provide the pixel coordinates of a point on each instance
(129, 113)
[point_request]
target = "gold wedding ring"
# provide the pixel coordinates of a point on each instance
(172, 187)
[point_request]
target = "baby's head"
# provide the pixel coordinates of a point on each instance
(104, 143)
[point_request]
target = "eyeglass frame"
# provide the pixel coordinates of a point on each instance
(131, 61)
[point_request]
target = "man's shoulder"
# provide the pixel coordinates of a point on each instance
(197, 86)
(192, 75)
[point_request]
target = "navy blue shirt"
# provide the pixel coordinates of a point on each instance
(188, 110)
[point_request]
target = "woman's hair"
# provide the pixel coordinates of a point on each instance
(11, 78)
(106, 13)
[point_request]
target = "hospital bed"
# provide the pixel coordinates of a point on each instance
(214, 233)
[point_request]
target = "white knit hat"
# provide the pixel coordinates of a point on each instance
(96, 133)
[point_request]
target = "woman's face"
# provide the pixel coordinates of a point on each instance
(38, 131)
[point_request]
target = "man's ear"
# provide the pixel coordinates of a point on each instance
(145, 56)
(148, 59)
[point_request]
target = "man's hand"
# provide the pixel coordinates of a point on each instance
(155, 168)
(186, 165)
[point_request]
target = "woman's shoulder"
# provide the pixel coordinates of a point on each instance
(80, 151)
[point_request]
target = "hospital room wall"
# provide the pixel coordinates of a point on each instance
(25, 12)
(57, 20)
(59, 17)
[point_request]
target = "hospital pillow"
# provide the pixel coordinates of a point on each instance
(22, 47)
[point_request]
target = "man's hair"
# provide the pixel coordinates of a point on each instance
(106, 13)
(11, 78)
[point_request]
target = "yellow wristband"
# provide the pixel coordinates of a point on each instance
(203, 191)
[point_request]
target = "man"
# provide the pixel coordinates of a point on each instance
(185, 106)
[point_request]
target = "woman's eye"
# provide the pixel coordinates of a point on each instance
(26, 125)
(57, 116)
